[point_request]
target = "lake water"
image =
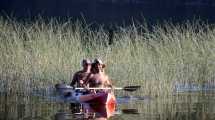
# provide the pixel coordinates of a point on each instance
(179, 106)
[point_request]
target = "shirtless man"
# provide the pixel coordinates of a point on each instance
(81, 76)
(99, 78)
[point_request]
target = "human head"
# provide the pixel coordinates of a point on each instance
(86, 63)
(99, 62)
(99, 65)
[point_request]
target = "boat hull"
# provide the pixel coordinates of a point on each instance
(104, 110)
(100, 98)
(95, 98)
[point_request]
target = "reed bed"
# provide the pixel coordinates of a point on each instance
(38, 54)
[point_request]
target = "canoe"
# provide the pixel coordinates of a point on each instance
(96, 98)
(104, 111)
(87, 111)
(99, 98)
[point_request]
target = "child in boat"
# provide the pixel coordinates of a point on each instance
(99, 79)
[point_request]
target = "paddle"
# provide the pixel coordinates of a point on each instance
(130, 111)
(126, 88)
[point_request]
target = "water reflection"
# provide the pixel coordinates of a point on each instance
(192, 106)
(87, 111)
(128, 99)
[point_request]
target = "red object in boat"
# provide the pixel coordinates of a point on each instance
(99, 98)
(102, 110)
(88, 111)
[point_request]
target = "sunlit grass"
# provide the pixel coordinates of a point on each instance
(37, 54)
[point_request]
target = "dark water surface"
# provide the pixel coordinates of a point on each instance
(186, 106)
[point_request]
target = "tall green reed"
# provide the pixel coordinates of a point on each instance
(37, 54)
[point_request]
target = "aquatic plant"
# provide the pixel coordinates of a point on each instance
(38, 54)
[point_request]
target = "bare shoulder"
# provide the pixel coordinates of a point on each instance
(79, 73)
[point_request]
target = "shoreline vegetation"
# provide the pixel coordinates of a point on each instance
(40, 54)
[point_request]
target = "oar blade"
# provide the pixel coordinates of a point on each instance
(131, 88)
(130, 111)
(67, 87)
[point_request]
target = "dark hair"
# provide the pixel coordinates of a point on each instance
(99, 61)
(86, 62)
(93, 67)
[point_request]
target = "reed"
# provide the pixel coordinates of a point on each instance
(38, 54)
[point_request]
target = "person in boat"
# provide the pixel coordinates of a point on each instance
(81, 76)
(78, 80)
(99, 79)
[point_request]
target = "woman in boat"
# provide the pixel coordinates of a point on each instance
(99, 79)
(81, 76)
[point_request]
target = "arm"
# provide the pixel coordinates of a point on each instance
(108, 82)
(87, 80)
(74, 80)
